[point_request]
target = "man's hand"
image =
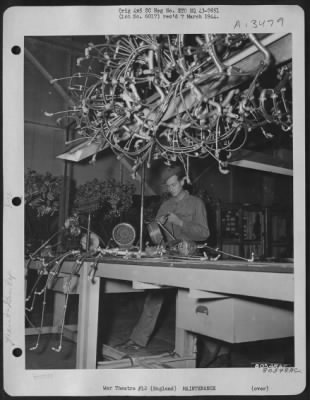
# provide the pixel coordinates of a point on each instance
(163, 219)
(174, 219)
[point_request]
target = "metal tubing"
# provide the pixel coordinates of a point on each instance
(45, 243)
(166, 230)
(88, 232)
(211, 48)
(262, 48)
(142, 206)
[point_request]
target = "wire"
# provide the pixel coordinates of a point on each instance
(143, 96)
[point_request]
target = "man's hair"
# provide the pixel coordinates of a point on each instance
(180, 174)
(171, 171)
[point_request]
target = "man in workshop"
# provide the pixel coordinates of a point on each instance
(184, 215)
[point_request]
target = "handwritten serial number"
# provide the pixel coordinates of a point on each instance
(257, 23)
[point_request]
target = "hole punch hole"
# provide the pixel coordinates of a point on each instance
(16, 201)
(17, 352)
(16, 50)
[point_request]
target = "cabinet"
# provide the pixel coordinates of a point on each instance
(244, 229)
(280, 241)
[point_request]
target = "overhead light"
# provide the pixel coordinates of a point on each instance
(263, 162)
(262, 167)
(82, 151)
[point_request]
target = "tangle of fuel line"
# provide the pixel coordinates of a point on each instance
(168, 96)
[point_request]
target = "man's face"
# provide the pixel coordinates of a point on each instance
(174, 185)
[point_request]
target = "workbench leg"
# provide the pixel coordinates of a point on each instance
(185, 346)
(185, 343)
(86, 352)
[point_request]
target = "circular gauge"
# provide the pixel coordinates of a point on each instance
(124, 235)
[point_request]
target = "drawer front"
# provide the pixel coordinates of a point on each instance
(234, 319)
(255, 320)
(212, 317)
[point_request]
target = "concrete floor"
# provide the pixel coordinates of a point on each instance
(117, 316)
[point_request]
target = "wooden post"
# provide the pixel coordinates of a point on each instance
(86, 352)
(185, 342)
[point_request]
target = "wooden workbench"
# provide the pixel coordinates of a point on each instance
(227, 300)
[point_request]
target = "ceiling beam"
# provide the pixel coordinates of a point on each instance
(59, 89)
(60, 44)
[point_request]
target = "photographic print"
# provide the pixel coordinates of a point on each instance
(154, 200)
